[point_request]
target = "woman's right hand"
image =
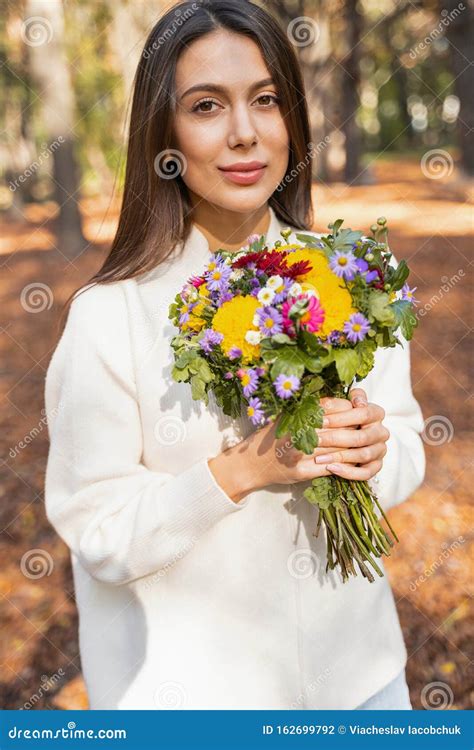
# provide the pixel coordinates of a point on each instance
(262, 459)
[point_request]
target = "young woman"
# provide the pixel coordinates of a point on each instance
(199, 582)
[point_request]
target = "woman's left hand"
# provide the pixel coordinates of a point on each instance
(359, 452)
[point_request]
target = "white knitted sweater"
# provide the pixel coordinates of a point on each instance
(185, 598)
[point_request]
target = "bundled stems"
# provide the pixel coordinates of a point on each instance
(354, 532)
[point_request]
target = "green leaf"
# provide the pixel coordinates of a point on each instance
(345, 239)
(301, 422)
(320, 493)
(198, 388)
(366, 350)
(289, 362)
(405, 317)
(313, 386)
(347, 363)
(181, 375)
(335, 226)
(309, 240)
(380, 308)
(399, 276)
(282, 338)
(199, 366)
(311, 344)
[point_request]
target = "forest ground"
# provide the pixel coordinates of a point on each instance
(431, 226)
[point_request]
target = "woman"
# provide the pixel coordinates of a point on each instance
(199, 582)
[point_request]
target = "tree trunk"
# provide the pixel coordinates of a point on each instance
(44, 36)
(460, 35)
(315, 61)
(350, 91)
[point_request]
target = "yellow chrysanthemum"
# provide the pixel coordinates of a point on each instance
(233, 319)
(335, 299)
(195, 322)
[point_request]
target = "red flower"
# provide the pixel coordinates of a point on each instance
(299, 269)
(246, 259)
(274, 262)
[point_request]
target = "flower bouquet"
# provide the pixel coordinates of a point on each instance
(272, 329)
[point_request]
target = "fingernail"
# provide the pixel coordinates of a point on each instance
(325, 421)
(360, 401)
(334, 467)
(323, 459)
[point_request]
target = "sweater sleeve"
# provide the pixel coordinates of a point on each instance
(389, 385)
(122, 520)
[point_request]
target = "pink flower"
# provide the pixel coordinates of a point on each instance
(311, 319)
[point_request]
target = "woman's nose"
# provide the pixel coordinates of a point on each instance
(242, 129)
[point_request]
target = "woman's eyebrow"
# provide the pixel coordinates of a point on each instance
(222, 90)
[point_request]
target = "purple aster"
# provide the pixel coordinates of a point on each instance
(270, 321)
(210, 339)
(234, 352)
(286, 385)
(184, 317)
(225, 296)
(249, 380)
(283, 293)
(255, 411)
(407, 294)
(218, 277)
(334, 337)
(356, 327)
(344, 264)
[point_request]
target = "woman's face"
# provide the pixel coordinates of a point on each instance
(239, 121)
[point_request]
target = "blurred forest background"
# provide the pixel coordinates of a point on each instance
(389, 88)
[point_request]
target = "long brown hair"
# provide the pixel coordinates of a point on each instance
(156, 211)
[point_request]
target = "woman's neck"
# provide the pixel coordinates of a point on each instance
(230, 229)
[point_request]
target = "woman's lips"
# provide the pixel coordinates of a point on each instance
(243, 178)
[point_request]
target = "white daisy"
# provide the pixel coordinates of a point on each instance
(253, 337)
(295, 289)
(274, 282)
(266, 295)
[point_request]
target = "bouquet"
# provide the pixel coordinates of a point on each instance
(272, 329)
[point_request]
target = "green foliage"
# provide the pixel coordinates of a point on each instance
(301, 420)
(347, 363)
(380, 309)
(405, 317)
(322, 492)
(191, 368)
(397, 277)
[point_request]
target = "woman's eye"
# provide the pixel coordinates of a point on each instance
(205, 105)
(203, 102)
(272, 97)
